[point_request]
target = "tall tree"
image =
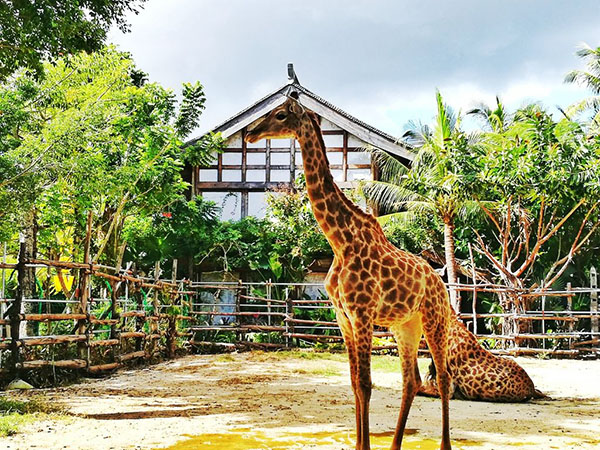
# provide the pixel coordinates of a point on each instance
(34, 31)
(436, 183)
(590, 79)
(90, 136)
(544, 177)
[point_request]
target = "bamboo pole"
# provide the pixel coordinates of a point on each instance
(154, 325)
(51, 340)
(171, 341)
(52, 317)
(103, 367)
(570, 310)
(63, 364)
(3, 293)
(132, 355)
(474, 278)
(104, 342)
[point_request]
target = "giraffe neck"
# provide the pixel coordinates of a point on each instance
(332, 209)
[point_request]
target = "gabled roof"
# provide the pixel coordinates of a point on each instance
(322, 107)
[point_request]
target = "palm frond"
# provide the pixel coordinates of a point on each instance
(391, 169)
(387, 196)
(402, 218)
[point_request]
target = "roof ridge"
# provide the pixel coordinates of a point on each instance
(295, 85)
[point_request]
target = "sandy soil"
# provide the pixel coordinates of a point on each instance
(259, 401)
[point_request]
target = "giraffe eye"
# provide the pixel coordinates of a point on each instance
(280, 116)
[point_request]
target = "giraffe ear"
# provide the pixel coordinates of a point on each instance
(295, 108)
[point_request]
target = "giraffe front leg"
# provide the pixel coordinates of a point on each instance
(363, 338)
(436, 335)
(346, 328)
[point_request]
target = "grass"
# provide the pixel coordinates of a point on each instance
(14, 413)
(321, 371)
(297, 354)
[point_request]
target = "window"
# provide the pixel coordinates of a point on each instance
(333, 140)
(259, 144)
(232, 159)
(338, 175)
(280, 159)
(359, 158)
(256, 159)
(298, 158)
(232, 175)
(257, 205)
(280, 143)
(214, 159)
(359, 174)
(208, 175)
(229, 202)
(280, 176)
(335, 158)
(257, 175)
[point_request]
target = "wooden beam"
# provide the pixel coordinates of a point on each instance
(240, 187)
(268, 161)
(345, 156)
(292, 160)
(219, 167)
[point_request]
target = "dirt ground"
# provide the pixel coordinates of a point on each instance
(265, 401)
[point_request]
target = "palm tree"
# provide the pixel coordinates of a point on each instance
(437, 182)
(590, 79)
(495, 120)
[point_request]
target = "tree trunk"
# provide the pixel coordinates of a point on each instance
(451, 262)
(29, 287)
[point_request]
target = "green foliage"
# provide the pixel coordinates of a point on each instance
(93, 135)
(32, 32)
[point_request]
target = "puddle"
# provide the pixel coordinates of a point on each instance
(248, 439)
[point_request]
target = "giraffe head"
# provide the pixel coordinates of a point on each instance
(284, 121)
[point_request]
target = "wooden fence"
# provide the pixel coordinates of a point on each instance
(290, 319)
(113, 316)
(116, 316)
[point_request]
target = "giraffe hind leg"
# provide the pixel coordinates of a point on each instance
(436, 332)
(407, 337)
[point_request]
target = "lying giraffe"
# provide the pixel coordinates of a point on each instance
(477, 374)
(370, 282)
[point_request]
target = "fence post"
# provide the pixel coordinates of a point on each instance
(16, 309)
(289, 316)
(139, 306)
(83, 325)
(570, 309)
(3, 305)
(154, 327)
(543, 321)
(474, 279)
(172, 319)
(594, 302)
(269, 297)
(238, 318)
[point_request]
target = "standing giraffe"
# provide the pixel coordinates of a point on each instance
(370, 282)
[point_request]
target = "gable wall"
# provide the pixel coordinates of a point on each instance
(238, 179)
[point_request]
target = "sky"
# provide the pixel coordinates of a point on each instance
(379, 60)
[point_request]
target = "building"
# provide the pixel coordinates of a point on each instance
(238, 178)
